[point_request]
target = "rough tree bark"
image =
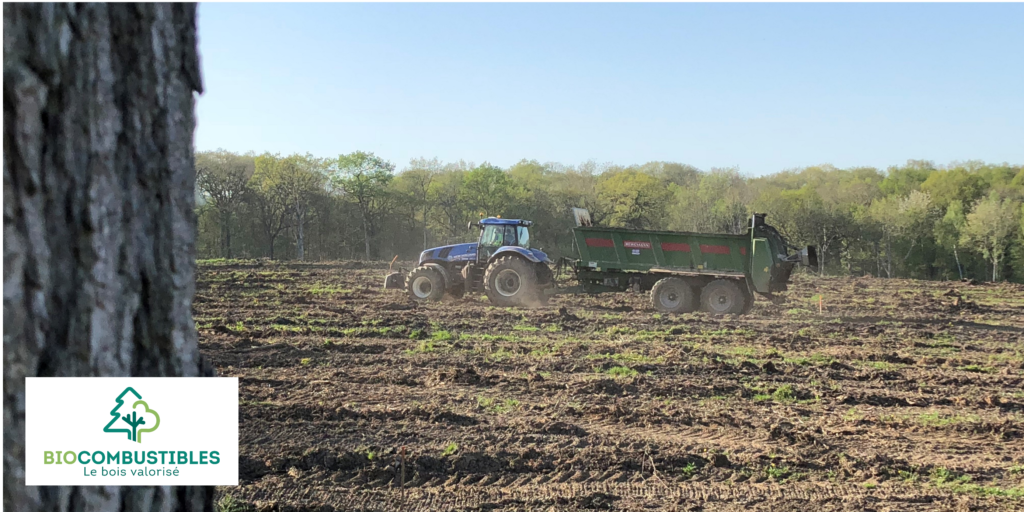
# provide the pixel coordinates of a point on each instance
(99, 228)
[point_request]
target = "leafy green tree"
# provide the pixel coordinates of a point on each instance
(900, 181)
(364, 178)
(947, 185)
(903, 220)
(990, 228)
(713, 203)
(490, 191)
(288, 186)
(302, 182)
(948, 229)
(413, 186)
(634, 199)
(270, 202)
(223, 181)
(443, 194)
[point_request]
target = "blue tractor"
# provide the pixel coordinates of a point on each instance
(501, 264)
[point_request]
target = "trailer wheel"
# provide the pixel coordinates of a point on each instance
(723, 297)
(425, 284)
(673, 295)
(510, 281)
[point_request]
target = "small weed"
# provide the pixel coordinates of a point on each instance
(784, 393)
(424, 347)
(934, 419)
(869, 485)
(527, 328)
(500, 355)
(853, 415)
(228, 503)
(908, 476)
(689, 470)
(944, 476)
(450, 449)
(305, 361)
(749, 352)
(441, 335)
(777, 473)
(622, 371)
(497, 407)
(627, 357)
(320, 288)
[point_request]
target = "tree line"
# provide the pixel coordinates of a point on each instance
(920, 220)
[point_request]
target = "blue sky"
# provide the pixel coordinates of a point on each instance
(762, 87)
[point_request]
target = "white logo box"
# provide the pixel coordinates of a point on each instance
(198, 422)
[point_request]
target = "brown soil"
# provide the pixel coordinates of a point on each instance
(900, 395)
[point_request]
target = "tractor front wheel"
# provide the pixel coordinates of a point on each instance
(511, 281)
(425, 284)
(673, 295)
(723, 297)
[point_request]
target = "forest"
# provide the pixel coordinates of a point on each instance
(964, 220)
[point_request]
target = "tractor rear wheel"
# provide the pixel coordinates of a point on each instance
(511, 281)
(673, 295)
(425, 284)
(723, 297)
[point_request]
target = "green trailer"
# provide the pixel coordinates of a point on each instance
(718, 273)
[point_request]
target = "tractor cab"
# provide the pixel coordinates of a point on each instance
(496, 233)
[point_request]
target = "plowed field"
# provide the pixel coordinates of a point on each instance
(898, 395)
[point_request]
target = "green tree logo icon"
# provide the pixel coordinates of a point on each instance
(135, 420)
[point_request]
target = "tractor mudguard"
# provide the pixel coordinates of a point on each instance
(532, 255)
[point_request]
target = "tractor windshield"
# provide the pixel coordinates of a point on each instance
(502, 235)
(497, 236)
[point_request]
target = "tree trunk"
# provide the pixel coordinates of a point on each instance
(299, 237)
(878, 261)
(959, 268)
(888, 258)
(366, 232)
(225, 222)
(99, 222)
